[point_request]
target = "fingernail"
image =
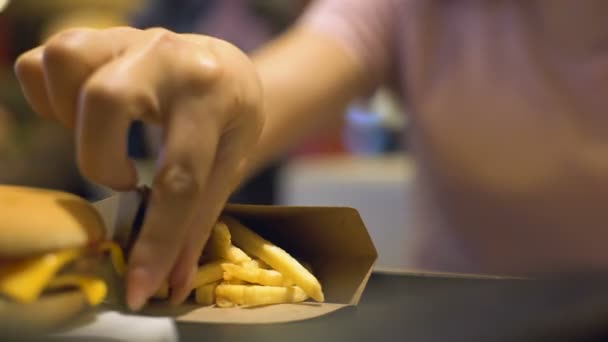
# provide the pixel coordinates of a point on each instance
(137, 289)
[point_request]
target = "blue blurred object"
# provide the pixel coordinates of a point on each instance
(365, 133)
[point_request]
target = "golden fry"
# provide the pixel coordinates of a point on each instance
(220, 246)
(260, 295)
(236, 255)
(222, 302)
(208, 273)
(205, 295)
(256, 275)
(219, 242)
(229, 279)
(274, 256)
(255, 263)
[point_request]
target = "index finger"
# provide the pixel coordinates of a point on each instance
(175, 198)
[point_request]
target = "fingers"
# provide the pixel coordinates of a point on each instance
(30, 73)
(239, 133)
(52, 75)
(180, 279)
(228, 166)
(70, 58)
(118, 93)
(193, 127)
(100, 81)
(55, 76)
(207, 212)
(102, 139)
(175, 200)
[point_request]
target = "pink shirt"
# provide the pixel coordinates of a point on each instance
(509, 115)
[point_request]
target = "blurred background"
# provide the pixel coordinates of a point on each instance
(359, 162)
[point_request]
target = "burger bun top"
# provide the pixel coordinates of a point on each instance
(34, 221)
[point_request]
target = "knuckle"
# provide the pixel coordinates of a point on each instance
(177, 179)
(200, 67)
(132, 100)
(100, 92)
(243, 103)
(203, 71)
(164, 39)
(155, 30)
(246, 104)
(66, 47)
(25, 65)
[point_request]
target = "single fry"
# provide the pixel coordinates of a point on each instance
(229, 279)
(255, 263)
(205, 295)
(222, 302)
(236, 255)
(256, 275)
(275, 257)
(219, 242)
(220, 246)
(260, 295)
(208, 273)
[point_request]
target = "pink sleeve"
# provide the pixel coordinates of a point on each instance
(364, 27)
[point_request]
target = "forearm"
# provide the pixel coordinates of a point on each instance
(308, 80)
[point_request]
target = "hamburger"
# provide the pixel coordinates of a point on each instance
(52, 255)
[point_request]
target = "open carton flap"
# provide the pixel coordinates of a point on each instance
(333, 240)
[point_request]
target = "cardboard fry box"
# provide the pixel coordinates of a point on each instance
(334, 240)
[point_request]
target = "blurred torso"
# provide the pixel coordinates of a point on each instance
(509, 103)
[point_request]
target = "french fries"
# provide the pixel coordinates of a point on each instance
(235, 282)
(205, 295)
(208, 273)
(236, 255)
(239, 267)
(223, 302)
(260, 295)
(220, 246)
(255, 263)
(256, 275)
(275, 257)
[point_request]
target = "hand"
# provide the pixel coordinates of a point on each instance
(205, 95)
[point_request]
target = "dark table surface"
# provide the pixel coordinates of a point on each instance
(428, 308)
